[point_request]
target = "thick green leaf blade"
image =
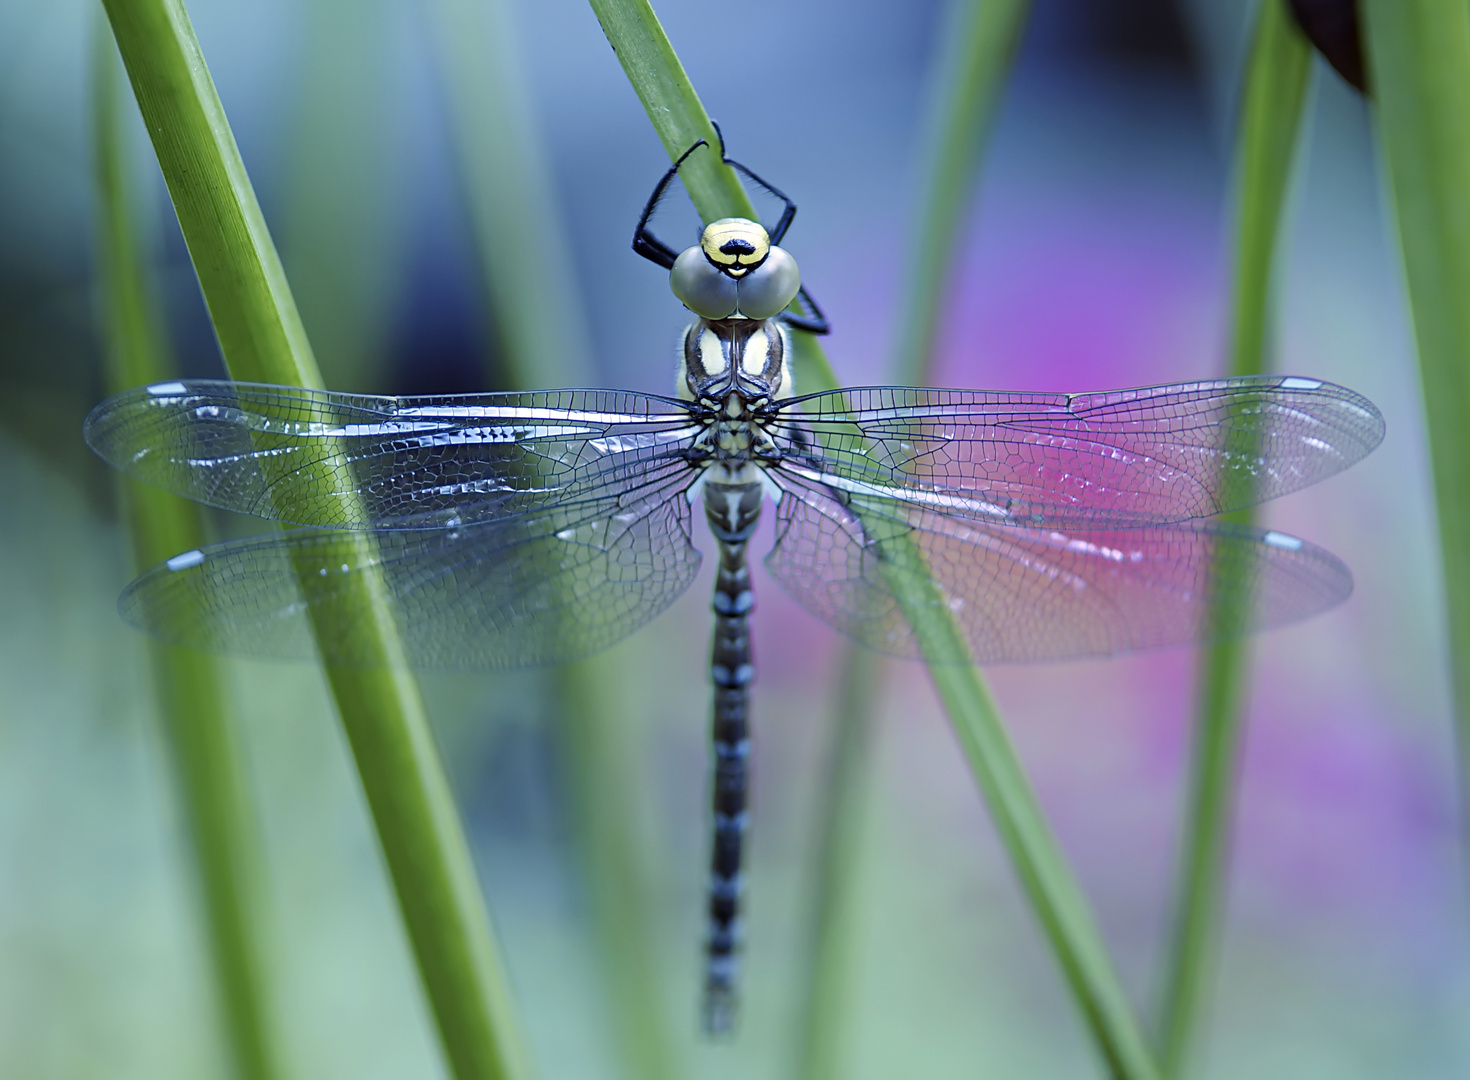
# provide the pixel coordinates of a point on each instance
(262, 339)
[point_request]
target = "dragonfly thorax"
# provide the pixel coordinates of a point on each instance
(721, 356)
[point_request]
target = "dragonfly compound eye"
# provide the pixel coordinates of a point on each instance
(705, 289)
(766, 290)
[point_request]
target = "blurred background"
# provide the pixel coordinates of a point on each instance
(1095, 257)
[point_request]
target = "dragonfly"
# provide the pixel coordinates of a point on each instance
(509, 530)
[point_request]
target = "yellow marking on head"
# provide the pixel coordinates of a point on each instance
(735, 245)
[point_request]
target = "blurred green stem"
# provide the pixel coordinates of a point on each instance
(262, 339)
(1419, 69)
(542, 342)
(190, 689)
(834, 968)
(340, 239)
(599, 740)
(677, 115)
(525, 261)
(977, 43)
(978, 39)
(1275, 94)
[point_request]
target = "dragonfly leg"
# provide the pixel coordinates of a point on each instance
(788, 212)
(731, 670)
(644, 242)
(815, 323)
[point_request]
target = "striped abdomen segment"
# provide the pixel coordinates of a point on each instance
(731, 671)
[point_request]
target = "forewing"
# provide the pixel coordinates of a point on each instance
(1126, 458)
(348, 460)
(1026, 594)
(533, 589)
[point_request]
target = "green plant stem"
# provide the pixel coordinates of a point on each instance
(192, 699)
(677, 115)
(262, 339)
(1419, 69)
(978, 40)
(542, 338)
(978, 43)
(834, 923)
(524, 257)
(1056, 899)
(338, 235)
(1275, 95)
(599, 745)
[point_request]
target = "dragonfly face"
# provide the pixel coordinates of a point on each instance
(511, 530)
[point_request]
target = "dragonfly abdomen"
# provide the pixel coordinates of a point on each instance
(732, 512)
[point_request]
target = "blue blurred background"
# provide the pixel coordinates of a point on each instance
(1096, 256)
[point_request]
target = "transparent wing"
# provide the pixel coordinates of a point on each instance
(1026, 594)
(349, 460)
(534, 589)
(1125, 458)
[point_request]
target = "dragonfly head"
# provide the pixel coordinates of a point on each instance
(735, 272)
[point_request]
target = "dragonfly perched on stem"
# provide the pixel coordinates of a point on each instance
(520, 529)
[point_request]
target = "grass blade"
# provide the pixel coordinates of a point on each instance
(340, 240)
(677, 115)
(262, 339)
(527, 269)
(979, 39)
(836, 907)
(1275, 93)
(193, 701)
(978, 42)
(597, 725)
(1419, 71)
(543, 342)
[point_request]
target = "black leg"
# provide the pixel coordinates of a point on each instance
(815, 323)
(644, 242)
(787, 215)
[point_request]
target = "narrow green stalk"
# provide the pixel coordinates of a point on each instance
(824, 1034)
(679, 118)
(1056, 899)
(192, 699)
(543, 342)
(262, 339)
(524, 256)
(1274, 100)
(977, 42)
(1419, 69)
(599, 744)
(339, 237)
